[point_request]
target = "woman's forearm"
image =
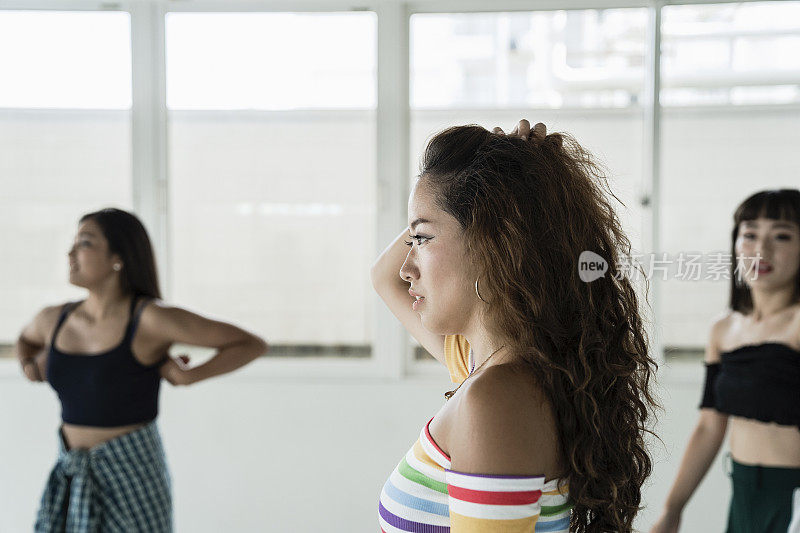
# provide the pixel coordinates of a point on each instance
(30, 354)
(385, 272)
(229, 358)
(700, 452)
(25, 350)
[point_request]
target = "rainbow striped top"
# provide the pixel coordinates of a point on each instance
(424, 495)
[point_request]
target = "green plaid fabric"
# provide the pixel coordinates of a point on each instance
(121, 485)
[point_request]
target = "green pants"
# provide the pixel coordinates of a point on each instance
(763, 498)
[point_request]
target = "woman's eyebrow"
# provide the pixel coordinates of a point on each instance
(775, 225)
(419, 221)
(784, 225)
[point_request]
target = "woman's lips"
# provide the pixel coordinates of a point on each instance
(763, 267)
(418, 299)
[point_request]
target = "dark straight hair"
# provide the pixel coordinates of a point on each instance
(775, 204)
(128, 239)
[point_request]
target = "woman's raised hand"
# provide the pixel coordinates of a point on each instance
(523, 130)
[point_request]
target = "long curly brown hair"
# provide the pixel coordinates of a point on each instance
(528, 209)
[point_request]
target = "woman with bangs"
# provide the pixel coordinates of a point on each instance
(545, 430)
(752, 383)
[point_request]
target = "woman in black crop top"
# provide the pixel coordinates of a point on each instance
(753, 377)
(105, 356)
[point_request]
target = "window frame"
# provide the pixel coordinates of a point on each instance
(391, 351)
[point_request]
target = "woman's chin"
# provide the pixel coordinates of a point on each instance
(76, 281)
(764, 283)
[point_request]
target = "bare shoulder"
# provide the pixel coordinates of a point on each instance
(500, 385)
(721, 325)
(504, 425)
(152, 307)
(164, 313)
(49, 315)
(43, 323)
(156, 314)
(795, 323)
(795, 316)
(47, 318)
(157, 310)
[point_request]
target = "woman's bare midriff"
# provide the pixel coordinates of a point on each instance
(86, 437)
(754, 442)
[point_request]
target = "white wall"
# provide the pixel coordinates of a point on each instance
(253, 454)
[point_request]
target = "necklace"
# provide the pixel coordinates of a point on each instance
(449, 394)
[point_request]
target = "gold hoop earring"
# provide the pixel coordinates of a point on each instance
(478, 293)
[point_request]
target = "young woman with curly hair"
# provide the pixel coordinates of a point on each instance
(545, 431)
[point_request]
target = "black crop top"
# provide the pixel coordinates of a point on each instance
(108, 389)
(757, 381)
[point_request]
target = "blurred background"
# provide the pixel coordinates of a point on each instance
(269, 147)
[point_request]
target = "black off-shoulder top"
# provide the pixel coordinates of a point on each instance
(757, 381)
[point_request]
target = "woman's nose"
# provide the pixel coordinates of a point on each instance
(763, 246)
(408, 271)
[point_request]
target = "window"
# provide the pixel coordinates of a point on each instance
(257, 61)
(552, 59)
(731, 54)
(272, 173)
(65, 101)
(272, 150)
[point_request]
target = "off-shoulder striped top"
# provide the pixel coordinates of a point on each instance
(424, 495)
